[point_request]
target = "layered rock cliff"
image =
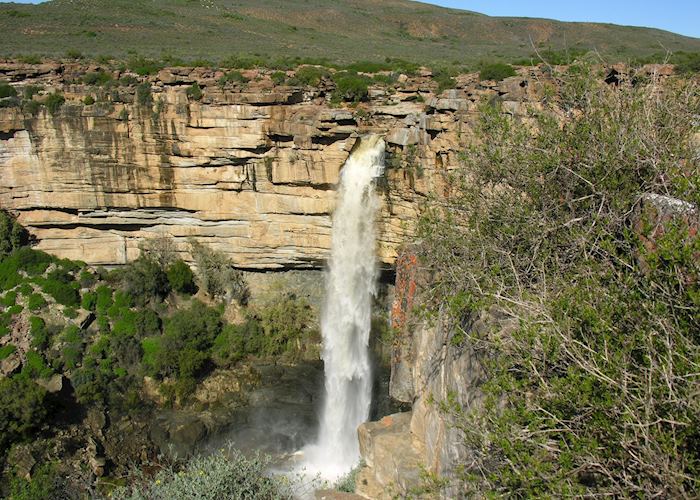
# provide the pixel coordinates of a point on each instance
(248, 168)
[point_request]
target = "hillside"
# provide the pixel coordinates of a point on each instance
(339, 31)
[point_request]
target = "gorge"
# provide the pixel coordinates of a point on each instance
(254, 170)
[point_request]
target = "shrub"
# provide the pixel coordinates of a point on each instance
(220, 475)
(144, 280)
(181, 277)
(495, 71)
(12, 234)
(284, 323)
(445, 79)
(143, 66)
(6, 351)
(89, 100)
(143, 94)
(187, 338)
(23, 409)
(46, 482)
(7, 90)
(232, 76)
(278, 77)
(61, 292)
(97, 78)
(53, 102)
(40, 336)
(311, 75)
(350, 87)
(32, 262)
(35, 302)
(235, 342)
(577, 398)
(9, 299)
(31, 107)
(217, 274)
(194, 92)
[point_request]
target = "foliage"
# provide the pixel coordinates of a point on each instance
(144, 280)
(35, 302)
(217, 275)
(7, 90)
(235, 342)
(25, 260)
(348, 482)
(183, 350)
(53, 102)
(12, 234)
(592, 391)
(194, 92)
(89, 100)
(445, 79)
(143, 66)
(6, 351)
(46, 482)
(62, 292)
(278, 77)
(143, 94)
(98, 78)
(23, 409)
(40, 336)
(285, 323)
(232, 76)
(181, 277)
(350, 86)
(495, 71)
(311, 75)
(220, 475)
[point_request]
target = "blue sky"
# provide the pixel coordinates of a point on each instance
(680, 16)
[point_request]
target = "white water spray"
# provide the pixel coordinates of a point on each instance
(351, 283)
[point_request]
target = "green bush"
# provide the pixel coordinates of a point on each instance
(578, 400)
(143, 66)
(12, 234)
(35, 302)
(89, 301)
(350, 87)
(495, 71)
(89, 100)
(31, 107)
(235, 342)
(9, 299)
(194, 92)
(61, 292)
(23, 410)
(143, 94)
(311, 75)
(7, 90)
(220, 475)
(46, 482)
(181, 277)
(35, 367)
(217, 274)
(97, 78)
(285, 324)
(279, 77)
(232, 76)
(144, 280)
(53, 102)
(40, 336)
(445, 79)
(32, 262)
(6, 351)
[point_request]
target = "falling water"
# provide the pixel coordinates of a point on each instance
(345, 324)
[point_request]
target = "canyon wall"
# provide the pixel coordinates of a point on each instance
(248, 168)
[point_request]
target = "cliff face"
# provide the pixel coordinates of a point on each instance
(249, 169)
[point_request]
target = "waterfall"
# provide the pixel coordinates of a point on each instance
(351, 283)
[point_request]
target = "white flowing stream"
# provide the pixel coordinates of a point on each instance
(351, 283)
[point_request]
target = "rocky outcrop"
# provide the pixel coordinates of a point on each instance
(248, 168)
(435, 370)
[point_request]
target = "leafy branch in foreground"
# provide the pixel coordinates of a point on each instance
(595, 393)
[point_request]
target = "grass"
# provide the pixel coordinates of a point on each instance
(270, 30)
